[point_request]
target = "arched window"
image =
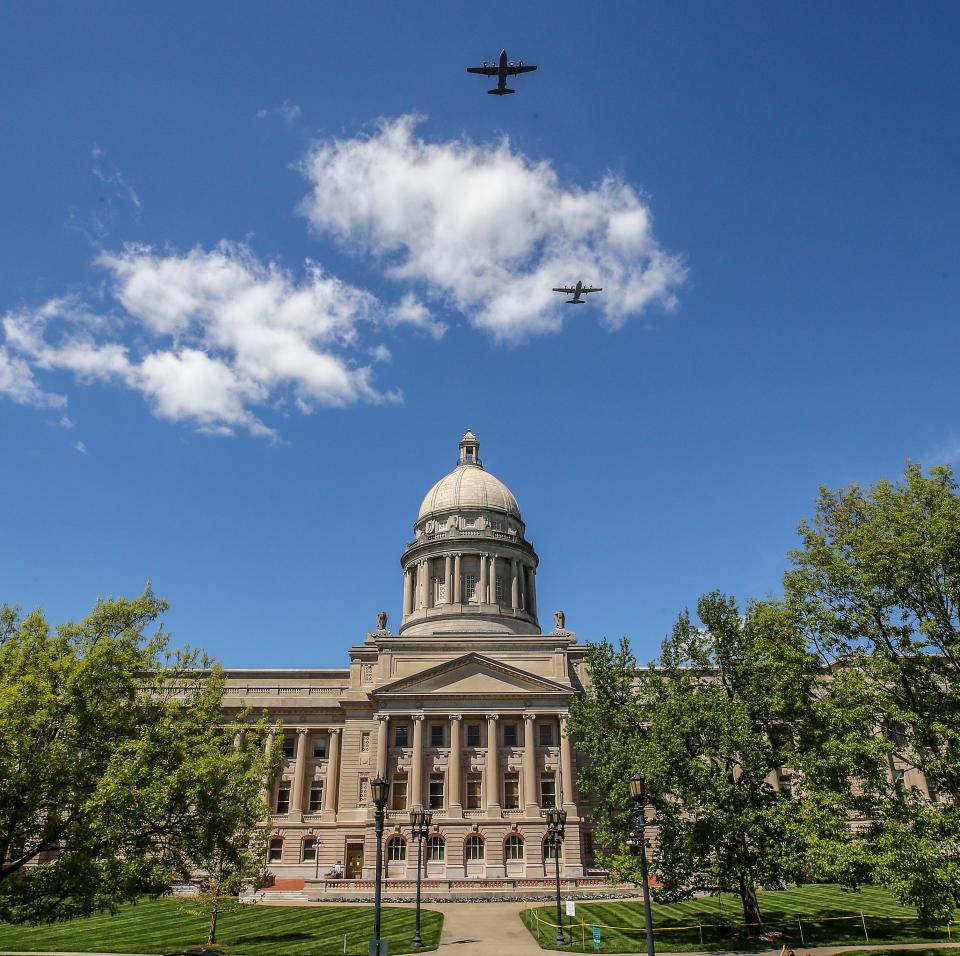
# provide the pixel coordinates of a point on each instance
(513, 848)
(473, 849)
(396, 849)
(435, 849)
(551, 848)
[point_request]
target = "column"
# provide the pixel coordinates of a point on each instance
(482, 596)
(514, 583)
(493, 768)
(493, 580)
(333, 773)
(447, 577)
(299, 772)
(530, 796)
(457, 579)
(454, 802)
(407, 591)
(566, 766)
(267, 789)
(416, 763)
(423, 579)
(521, 585)
(532, 591)
(383, 738)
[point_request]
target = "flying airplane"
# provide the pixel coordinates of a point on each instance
(501, 69)
(578, 292)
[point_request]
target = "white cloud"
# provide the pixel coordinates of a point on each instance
(218, 334)
(380, 353)
(17, 383)
(287, 111)
(488, 229)
(80, 447)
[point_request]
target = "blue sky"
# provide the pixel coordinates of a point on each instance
(250, 303)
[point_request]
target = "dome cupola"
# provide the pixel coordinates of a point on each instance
(469, 567)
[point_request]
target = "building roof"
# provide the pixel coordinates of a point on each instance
(469, 487)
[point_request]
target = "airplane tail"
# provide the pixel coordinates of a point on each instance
(575, 301)
(499, 92)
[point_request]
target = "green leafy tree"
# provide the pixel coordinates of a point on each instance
(876, 587)
(709, 726)
(115, 763)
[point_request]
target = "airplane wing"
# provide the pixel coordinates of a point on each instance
(522, 68)
(591, 289)
(483, 70)
(566, 290)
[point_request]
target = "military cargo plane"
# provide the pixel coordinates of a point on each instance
(501, 69)
(578, 292)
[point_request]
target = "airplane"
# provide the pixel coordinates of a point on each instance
(577, 291)
(501, 69)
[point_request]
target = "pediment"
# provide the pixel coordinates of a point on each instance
(472, 674)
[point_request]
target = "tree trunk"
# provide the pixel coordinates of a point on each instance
(751, 909)
(212, 935)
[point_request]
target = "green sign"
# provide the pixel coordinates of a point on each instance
(596, 938)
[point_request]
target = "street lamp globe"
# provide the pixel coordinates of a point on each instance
(379, 787)
(638, 787)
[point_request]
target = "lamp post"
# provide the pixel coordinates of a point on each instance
(378, 788)
(420, 827)
(637, 841)
(556, 822)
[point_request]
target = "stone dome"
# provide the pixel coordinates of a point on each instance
(469, 487)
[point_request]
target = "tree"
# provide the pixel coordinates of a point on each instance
(709, 727)
(876, 587)
(114, 760)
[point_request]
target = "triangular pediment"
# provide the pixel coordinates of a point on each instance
(472, 674)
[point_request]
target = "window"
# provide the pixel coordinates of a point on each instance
(499, 589)
(511, 791)
(435, 849)
(469, 522)
(399, 793)
(320, 748)
(473, 735)
(513, 848)
(551, 849)
(365, 742)
(588, 843)
(786, 783)
(363, 795)
(473, 848)
(898, 777)
(397, 850)
(289, 747)
(509, 735)
(548, 791)
(473, 791)
(546, 735)
(439, 591)
(401, 736)
(308, 850)
(470, 588)
(276, 850)
(436, 735)
(316, 798)
(436, 791)
(283, 797)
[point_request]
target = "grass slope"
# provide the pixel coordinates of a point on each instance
(162, 926)
(829, 916)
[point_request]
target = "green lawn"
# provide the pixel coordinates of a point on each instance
(162, 926)
(929, 951)
(825, 915)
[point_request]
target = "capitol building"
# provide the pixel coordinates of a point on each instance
(464, 711)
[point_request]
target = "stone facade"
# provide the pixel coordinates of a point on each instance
(464, 711)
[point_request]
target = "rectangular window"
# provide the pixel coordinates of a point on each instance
(283, 798)
(289, 747)
(275, 852)
(316, 798)
(473, 735)
(320, 748)
(401, 736)
(365, 742)
(363, 797)
(439, 591)
(548, 791)
(546, 735)
(436, 791)
(470, 588)
(474, 792)
(786, 783)
(511, 791)
(399, 793)
(588, 843)
(509, 735)
(308, 852)
(436, 735)
(499, 589)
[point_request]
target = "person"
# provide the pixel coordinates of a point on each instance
(337, 871)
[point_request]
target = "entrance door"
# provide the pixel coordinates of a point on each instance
(354, 861)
